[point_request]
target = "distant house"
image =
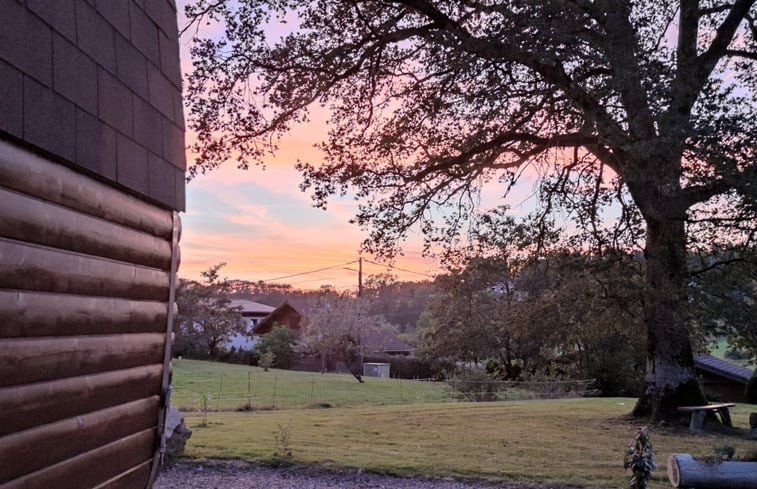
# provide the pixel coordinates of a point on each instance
(721, 380)
(261, 319)
(284, 315)
(385, 342)
(253, 313)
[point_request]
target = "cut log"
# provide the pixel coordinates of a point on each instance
(687, 472)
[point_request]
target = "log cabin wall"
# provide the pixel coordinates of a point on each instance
(91, 179)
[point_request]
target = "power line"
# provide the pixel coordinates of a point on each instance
(308, 272)
(391, 267)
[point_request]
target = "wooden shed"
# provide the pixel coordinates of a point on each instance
(721, 380)
(91, 180)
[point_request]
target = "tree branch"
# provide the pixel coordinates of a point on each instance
(564, 140)
(742, 53)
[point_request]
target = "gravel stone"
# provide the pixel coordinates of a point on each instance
(244, 475)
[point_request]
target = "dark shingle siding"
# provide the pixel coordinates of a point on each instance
(79, 75)
(11, 100)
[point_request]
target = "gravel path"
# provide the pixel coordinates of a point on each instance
(242, 475)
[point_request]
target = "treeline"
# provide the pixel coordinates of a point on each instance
(563, 316)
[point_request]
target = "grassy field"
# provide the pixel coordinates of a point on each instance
(227, 387)
(573, 441)
(578, 441)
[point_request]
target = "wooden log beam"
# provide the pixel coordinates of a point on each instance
(26, 360)
(29, 314)
(687, 472)
(31, 267)
(27, 406)
(26, 218)
(30, 174)
(65, 439)
(92, 468)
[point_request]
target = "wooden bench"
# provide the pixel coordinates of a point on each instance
(698, 414)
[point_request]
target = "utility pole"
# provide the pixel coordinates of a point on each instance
(360, 276)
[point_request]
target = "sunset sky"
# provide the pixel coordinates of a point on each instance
(261, 224)
(264, 227)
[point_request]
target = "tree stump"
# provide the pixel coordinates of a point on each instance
(685, 471)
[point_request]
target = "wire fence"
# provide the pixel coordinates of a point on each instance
(253, 391)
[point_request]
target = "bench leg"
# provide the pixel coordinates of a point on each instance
(697, 420)
(725, 416)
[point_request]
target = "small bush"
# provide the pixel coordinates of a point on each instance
(282, 440)
(281, 342)
(474, 384)
(240, 356)
(267, 359)
(640, 459)
(205, 401)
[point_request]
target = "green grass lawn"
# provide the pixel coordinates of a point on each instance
(577, 441)
(229, 386)
(412, 428)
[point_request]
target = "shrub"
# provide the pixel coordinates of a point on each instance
(240, 356)
(639, 458)
(473, 384)
(494, 368)
(280, 341)
(267, 359)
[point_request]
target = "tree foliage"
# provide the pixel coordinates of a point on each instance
(723, 300)
(400, 303)
(281, 343)
(629, 115)
(568, 315)
(334, 329)
(206, 318)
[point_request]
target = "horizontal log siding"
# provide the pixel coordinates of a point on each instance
(66, 439)
(85, 275)
(29, 405)
(136, 477)
(30, 314)
(36, 221)
(26, 360)
(26, 266)
(92, 468)
(56, 183)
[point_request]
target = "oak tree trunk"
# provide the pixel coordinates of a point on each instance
(670, 380)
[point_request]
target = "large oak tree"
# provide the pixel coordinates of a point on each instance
(644, 106)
